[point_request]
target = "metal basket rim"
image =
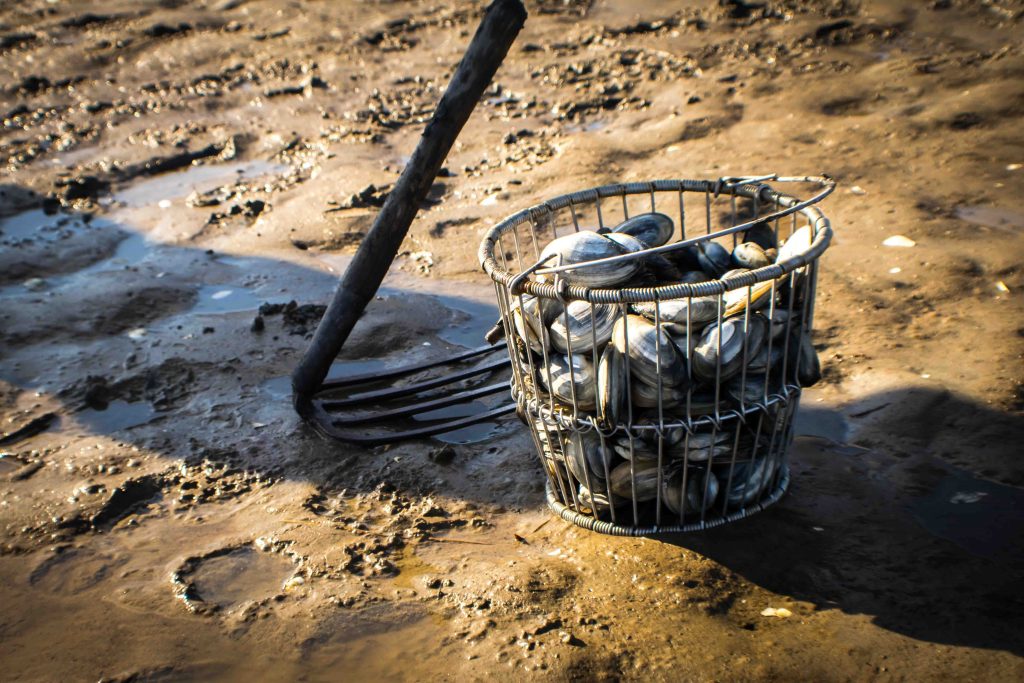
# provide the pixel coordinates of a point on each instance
(821, 226)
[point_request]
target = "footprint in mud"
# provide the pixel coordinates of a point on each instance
(229, 577)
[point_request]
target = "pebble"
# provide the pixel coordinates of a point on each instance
(34, 284)
(858, 190)
(898, 241)
(781, 612)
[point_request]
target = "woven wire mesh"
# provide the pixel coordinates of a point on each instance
(635, 447)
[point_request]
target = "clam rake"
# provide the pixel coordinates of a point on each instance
(420, 400)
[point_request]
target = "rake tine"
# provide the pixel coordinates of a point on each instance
(343, 382)
(383, 394)
(325, 424)
(424, 407)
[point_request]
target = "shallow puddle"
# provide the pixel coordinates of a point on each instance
(240, 575)
(213, 299)
(198, 178)
(470, 434)
(117, 415)
(36, 225)
(992, 217)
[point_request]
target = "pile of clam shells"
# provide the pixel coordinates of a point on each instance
(628, 369)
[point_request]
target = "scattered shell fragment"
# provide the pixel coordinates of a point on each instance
(780, 612)
(898, 241)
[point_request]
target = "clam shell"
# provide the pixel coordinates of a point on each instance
(635, 449)
(646, 346)
(697, 482)
(765, 360)
(750, 255)
(653, 229)
(580, 324)
(586, 245)
(539, 314)
(805, 359)
(714, 259)
(673, 312)
(567, 374)
(761, 234)
(598, 502)
(735, 300)
(586, 457)
(730, 336)
(646, 396)
(611, 385)
(748, 480)
(628, 243)
(797, 243)
(642, 474)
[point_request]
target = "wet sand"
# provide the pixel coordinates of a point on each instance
(171, 168)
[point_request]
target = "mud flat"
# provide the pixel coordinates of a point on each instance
(175, 171)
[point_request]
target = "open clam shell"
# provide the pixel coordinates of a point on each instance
(649, 348)
(567, 375)
(580, 325)
(653, 229)
(586, 245)
(720, 353)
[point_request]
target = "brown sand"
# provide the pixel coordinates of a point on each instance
(195, 529)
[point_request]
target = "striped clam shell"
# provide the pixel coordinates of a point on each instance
(673, 312)
(701, 491)
(648, 348)
(565, 375)
(586, 245)
(587, 458)
(653, 229)
(635, 480)
(597, 502)
(539, 313)
(646, 396)
(581, 324)
(730, 336)
(748, 480)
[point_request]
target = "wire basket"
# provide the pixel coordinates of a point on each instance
(658, 362)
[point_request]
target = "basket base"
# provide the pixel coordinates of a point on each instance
(611, 529)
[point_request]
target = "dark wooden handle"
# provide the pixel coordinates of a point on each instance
(502, 22)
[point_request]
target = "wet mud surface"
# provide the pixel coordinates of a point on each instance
(182, 184)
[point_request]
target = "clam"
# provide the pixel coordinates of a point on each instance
(692, 277)
(635, 448)
(597, 502)
(798, 243)
(648, 348)
(703, 446)
(628, 243)
(611, 384)
(720, 353)
(748, 480)
(646, 396)
(653, 229)
(567, 375)
(673, 312)
(736, 300)
(749, 389)
(750, 255)
(762, 235)
(636, 480)
(580, 325)
(663, 270)
(586, 456)
(539, 314)
(701, 491)
(805, 359)
(714, 259)
(586, 245)
(765, 359)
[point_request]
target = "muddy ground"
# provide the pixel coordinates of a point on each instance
(170, 167)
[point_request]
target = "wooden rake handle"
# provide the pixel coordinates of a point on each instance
(502, 22)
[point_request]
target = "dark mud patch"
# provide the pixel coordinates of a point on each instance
(126, 498)
(116, 416)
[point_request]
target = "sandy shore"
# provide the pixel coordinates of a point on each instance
(172, 167)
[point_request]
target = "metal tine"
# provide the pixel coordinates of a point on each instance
(373, 378)
(326, 423)
(410, 389)
(661, 414)
(424, 406)
(629, 412)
